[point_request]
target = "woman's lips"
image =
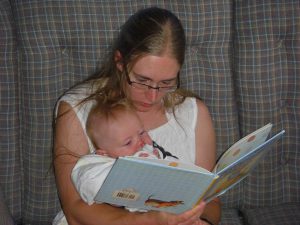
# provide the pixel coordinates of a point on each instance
(143, 104)
(146, 104)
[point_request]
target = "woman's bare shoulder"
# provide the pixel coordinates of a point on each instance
(202, 107)
(69, 133)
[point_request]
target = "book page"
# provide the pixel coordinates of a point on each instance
(242, 147)
(240, 169)
(232, 176)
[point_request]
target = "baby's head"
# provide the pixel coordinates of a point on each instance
(116, 130)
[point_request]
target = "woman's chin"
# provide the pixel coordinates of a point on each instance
(143, 107)
(146, 107)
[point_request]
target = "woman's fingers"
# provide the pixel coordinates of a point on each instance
(192, 216)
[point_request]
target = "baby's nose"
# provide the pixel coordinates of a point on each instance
(141, 142)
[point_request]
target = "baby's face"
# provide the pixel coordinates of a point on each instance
(125, 136)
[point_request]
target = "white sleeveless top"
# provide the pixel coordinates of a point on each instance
(177, 136)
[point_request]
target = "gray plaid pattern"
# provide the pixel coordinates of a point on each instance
(284, 214)
(242, 58)
(268, 89)
(10, 163)
(5, 217)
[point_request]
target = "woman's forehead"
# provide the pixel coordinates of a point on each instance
(156, 67)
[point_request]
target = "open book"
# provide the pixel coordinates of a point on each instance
(172, 186)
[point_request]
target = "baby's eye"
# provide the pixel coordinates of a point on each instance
(128, 143)
(142, 133)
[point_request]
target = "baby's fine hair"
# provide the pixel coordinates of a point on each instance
(104, 111)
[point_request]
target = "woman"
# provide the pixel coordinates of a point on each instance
(144, 68)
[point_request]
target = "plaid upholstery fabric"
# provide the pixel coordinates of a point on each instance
(10, 163)
(284, 214)
(242, 58)
(5, 217)
(230, 216)
(267, 54)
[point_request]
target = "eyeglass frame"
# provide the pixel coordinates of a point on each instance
(158, 88)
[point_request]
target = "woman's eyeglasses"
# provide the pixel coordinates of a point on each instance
(146, 87)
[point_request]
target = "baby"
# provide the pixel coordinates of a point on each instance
(114, 131)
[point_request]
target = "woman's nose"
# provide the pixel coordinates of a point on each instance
(152, 94)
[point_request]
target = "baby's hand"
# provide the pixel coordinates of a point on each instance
(143, 154)
(156, 153)
(100, 152)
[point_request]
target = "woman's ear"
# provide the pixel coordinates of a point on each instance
(118, 60)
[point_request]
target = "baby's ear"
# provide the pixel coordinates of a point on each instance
(101, 152)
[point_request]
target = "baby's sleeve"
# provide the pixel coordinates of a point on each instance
(89, 174)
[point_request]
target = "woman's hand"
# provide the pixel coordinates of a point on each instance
(190, 217)
(202, 222)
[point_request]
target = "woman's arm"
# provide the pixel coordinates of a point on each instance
(206, 156)
(71, 142)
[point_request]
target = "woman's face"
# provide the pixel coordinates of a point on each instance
(154, 71)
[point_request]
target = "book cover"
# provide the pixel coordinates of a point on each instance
(173, 186)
